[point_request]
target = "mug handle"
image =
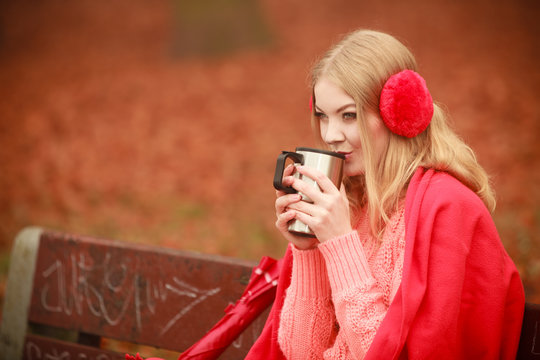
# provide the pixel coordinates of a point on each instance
(280, 167)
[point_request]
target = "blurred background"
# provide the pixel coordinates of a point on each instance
(160, 121)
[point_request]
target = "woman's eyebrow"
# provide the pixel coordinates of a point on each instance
(338, 110)
(346, 106)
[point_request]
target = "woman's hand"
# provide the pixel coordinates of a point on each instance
(285, 214)
(328, 216)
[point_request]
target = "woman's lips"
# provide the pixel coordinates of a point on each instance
(347, 154)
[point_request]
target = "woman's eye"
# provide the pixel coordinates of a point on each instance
(320, 116)
(349, 116)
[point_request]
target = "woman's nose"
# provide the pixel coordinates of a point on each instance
(334, 133)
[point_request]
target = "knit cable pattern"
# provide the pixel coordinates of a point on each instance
(340, 293)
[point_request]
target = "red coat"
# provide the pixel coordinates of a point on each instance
(460, 296)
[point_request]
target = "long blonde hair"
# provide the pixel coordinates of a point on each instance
(360, 64)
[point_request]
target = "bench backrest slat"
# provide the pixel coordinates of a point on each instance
(137, 293)
(529, 344)
(38, 347)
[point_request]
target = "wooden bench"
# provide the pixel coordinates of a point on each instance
(529, 342)
(141, 294)
(86, 289)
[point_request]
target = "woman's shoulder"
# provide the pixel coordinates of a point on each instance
(443, 189)
(438, 198)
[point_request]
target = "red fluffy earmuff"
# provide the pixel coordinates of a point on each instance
(406, 105)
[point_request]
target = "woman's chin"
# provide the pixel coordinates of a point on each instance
(351, 171)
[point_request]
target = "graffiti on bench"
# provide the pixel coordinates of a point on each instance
(130, 289)
(142, 294)
(37, 348)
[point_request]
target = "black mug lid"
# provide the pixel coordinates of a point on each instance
(321, 151)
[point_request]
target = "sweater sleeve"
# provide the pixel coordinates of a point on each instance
(307, 322)
(360, 303)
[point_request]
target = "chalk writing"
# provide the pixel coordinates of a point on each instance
(108, 291)
(203, 295)
(34, 352)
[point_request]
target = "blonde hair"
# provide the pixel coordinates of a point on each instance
(360, 64)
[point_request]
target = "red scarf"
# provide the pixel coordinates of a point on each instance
(460, 296)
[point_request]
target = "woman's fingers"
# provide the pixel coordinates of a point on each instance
(306, 219)
(325, 184)
(286, 181)
(327, 214)
(300, 242)
(289, 170)
(308, 188)
(306, 207)
(285, 201)
(282, 222)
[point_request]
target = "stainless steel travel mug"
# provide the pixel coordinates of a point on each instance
(328, 162)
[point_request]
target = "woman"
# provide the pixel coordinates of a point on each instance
(406, 262)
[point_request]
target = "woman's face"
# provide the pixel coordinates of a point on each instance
(336, 112)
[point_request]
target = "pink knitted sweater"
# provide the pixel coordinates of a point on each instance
(340, 292)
